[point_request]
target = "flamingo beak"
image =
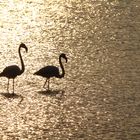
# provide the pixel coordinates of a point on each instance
(26, 49)
(66, 59)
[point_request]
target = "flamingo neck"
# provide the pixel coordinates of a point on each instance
(61, 65)
(21, 60)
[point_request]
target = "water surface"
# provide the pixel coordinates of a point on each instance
(98, 99)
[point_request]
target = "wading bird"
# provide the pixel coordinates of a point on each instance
(11, 72)
(52, 71)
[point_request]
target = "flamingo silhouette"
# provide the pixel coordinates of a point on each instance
(52, 71)
(11, 72)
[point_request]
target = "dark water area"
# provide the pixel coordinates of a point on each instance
(98, 99)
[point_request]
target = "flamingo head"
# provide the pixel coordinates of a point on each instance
(64, 56)
(24, 46)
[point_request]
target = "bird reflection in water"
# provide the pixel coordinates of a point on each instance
(52, 71)
(11, 72)
(57, 93)
(13, 96)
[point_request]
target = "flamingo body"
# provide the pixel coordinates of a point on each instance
(11, 71)
(48, 72)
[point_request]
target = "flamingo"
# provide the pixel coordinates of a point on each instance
(52, 71)
(11, 72)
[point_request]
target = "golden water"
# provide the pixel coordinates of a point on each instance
(98, 99)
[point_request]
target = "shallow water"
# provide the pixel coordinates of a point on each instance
(98, 99)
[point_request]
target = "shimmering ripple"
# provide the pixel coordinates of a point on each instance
(99, 97)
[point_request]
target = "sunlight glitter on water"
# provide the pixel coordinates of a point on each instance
(18, 21)
(95, 99)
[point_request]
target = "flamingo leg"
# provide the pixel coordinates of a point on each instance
(13, 85)
(48, 83)
(45, 83)
(8, 86)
